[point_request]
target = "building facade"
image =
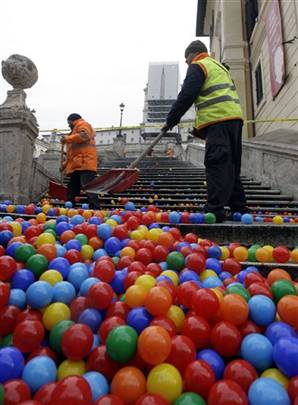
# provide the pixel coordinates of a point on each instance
(258, 40)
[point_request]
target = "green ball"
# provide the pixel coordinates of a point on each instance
(37, 264)
(210, 218)
(175, 261)
(190, 398)
(6, 341)
(23, 252)
(56, 335)
(82, 238)
(51, 231)
(251, 254)
(51, 224)
(121, 343)
(280, 288)
(236, 289)
(115, 260)
(122, 298)
(1, 394)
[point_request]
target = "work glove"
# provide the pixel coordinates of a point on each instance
(165, 128)
(196, 133)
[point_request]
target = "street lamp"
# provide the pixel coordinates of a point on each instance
(122, 105)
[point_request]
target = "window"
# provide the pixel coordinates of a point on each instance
(131, 139)
(259, 83)
(251, 15)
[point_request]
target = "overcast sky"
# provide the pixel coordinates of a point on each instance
(92, 55)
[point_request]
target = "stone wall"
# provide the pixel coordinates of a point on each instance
(40, 182)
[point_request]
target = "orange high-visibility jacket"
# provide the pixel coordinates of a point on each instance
(81, 149)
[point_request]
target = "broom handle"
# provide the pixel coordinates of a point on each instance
(147, 150)
(61, 163)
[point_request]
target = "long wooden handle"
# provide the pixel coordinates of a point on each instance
(61, 163)
(147, 150)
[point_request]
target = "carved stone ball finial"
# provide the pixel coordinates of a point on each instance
(19, 71)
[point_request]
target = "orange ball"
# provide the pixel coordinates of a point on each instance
(95, 242)
(240, 253)
(154, 345)
(48, 250)
(278, 274)
(263, 255)
(129, 383)
(128, 251)
(66, 236)
(158, 301)
(166, 239)
(135, 296)
(234, 309)
(287, 308)
(294, 255)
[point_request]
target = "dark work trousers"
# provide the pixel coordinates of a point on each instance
(223, 165)
(78, 179)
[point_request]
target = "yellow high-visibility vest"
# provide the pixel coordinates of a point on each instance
(218, 99)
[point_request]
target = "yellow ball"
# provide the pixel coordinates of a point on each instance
(71, 212)
(176, 314)
(46, 208)
(87, 252)
(45, 238)
(87, 214)
(278, 220)
(136, 235)
(263, 255)
(135, 296)
(69, 367)
(16, 228)
(277, 376)
(146, 281)
(55, 313)
(51, 276)
(172, 275)
(218, 293)
(111, 222)
(154, 233)
(225, 253)
(165, 380)
(207, 273)
(294, 255)
(10, 208)
(127, 251)
(62, 211)
(240, 253)
(158, 217)
(144, 230)
(41, 218)
(270, 250)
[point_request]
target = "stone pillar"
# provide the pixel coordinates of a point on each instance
(235, 54)
(18, 131)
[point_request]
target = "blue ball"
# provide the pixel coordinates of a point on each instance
(213, 264)
(257, 350)
(265, 391)
(174, 217)
(285, 355)
(112, 245)
(39, 371)
(17, 298)
(22, 279)
(188, 275)
(104, 231)
(98, 384)
(214, 252)
(5, 237)
(259, 219)
(241, 276)
(60, 250)
(73, 244)
(262, 310)
(77, 219)
(61, 218)
(237, 216)
(214, 360)
(278, 330)
(225, 274)
(11, 364)
(77, 275)
(96, 341)
(138, 318)
(130, 206)
(85, 206)
(247, 219)
(86, 284)
(63, 291)
(99, 253)
(68, 204)
(212, 282)
(91, 317)
(39, 294)
(60, 264)
(10, 250)
(20, 209)
(118, 281)
(62, 227)
(95, 220)
(25, 225)
(117, 218)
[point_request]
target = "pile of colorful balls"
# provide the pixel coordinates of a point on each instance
(113, 308)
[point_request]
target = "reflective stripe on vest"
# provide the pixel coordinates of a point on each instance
(218, 99)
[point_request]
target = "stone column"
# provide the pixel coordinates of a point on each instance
(18, 131)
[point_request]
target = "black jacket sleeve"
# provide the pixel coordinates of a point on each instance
(190, 90)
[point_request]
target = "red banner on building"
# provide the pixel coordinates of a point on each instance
(276, 50)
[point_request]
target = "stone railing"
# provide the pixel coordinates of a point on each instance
(40, 181)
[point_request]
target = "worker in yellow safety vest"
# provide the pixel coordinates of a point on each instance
(219, 121)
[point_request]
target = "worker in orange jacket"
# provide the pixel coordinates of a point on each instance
(81, 158)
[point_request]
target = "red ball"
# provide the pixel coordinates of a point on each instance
(8, 319)
(253, 277)
(28, 335)
(231, 265)
(293, 388)
(90, 231)
(131, 278)
(77, 306)
(118, 308)
(160, 253)
(185, 292)
(281, 254)
(197, 329)
(100, 361)
(205, 303)
(242, 372)
(29, 315)
(104, 270)
(120, 231)
(226, 339)
(199, 377)
(249, 327)
(77, 341)
(151, 399)
(132, 223)
(72, 390)
(259, 288)
(107, 325)
(100, 295)
(4, 293)
(144, 255)
(109, 400)
(16, 391)
(183, 352)
(124, 261)
(137, 266)
(154, 269)
(227, 392)
(73, 256)
(165, 323)
(195, 262)
(45, 393)
(191, 238)
(8, 267)
(43, 351)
